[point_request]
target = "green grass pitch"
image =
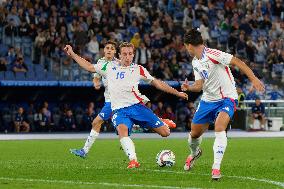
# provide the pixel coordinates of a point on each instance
(44, 164)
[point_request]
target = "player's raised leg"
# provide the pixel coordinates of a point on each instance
(194, 141)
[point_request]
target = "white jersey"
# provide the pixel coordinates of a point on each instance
(106, 93)
(214, 69)
(123, 83)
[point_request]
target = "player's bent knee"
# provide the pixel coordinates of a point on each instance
(165, 132)
(195, 134)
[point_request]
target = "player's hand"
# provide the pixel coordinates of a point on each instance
(97, 85)
(68, 50)
(258, 85)
(185, 85)
(183, 95)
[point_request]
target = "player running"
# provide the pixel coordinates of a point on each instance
(106, 112)
(122, 81)
(219, 99)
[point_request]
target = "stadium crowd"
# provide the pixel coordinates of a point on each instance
(34, 32)
(252, 30)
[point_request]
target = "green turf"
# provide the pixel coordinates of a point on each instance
(48, 164)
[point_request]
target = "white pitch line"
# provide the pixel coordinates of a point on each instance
(281, 184)
(93, 183)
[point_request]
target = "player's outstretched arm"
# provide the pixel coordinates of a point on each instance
(257, 84)
(168, 89)
(195, 87)
(81, 61)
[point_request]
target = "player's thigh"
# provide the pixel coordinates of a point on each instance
(204, 113)
(198, 129)
(121, 118)
(164, 131)
(143, 116)
(224, 114)
(222, 121)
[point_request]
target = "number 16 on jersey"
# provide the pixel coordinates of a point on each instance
(120, 75)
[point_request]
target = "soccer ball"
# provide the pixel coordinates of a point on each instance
(165, 158)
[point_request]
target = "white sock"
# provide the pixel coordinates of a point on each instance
(90, 140)
(128, 147)
(194, 144)
(219, 148)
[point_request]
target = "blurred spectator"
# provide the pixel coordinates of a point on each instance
(241, 46)
(169, 114)
(275, 94)
(20, 121)
(142, 55)
(41, 121)
(93, 46)
(136, 40)
(47, 112)
(241, 97)
(160, 111)
(3, 64)
(11, 55)
(151, 106)
(88, 118)
(19, 65)
(135, 10)
(258, 113)
(67, 122)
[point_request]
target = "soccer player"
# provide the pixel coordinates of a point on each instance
(106, 112)
(122, 81)
(219, 99)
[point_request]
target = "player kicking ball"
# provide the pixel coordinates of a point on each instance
(219, 99)
(106, 112)
(127, 106)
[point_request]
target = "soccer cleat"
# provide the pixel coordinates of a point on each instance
(170, 123)
(216, 174)
(79, 152)
(191, 159)
(133, 164)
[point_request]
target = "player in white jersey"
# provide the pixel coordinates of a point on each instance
(106, 112)
(128, 107)
(213, 76)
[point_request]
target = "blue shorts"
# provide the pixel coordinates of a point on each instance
(106, 111)
(137, 114)
(207, 112)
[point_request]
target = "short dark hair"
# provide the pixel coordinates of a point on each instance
(126, 44)
(193, 37)
(110, 42)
